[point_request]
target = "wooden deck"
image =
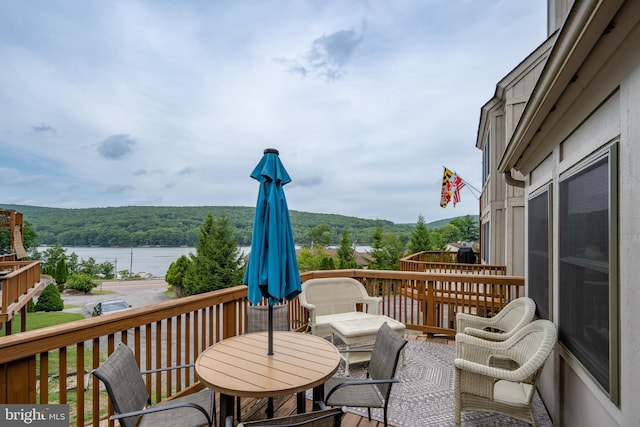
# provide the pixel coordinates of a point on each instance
(254, 409)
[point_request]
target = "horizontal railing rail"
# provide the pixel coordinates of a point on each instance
(20, 282)
(432, 256)
(452, 267)
(53, 365)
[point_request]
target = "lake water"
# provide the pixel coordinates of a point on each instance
(142, 261)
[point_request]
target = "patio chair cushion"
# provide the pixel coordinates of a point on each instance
(330, 299)
(512, 393)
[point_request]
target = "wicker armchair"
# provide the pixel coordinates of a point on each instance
(482, 386)
(518, 313)
(336, 298)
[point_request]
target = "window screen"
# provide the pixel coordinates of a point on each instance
(584, 268)
(538, 253)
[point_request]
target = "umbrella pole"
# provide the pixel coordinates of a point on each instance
(270, 350)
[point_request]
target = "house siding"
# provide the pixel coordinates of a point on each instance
(589, 106)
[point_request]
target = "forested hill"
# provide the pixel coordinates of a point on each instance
(177, 226)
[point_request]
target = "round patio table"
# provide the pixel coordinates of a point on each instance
(240, 366)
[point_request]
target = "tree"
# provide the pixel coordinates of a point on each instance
(386, 251)
(49, 299)
(176, 272)
(218, 262)
(51, 256)
(468, 227)
(320, 235)
(327, 263)
(420, 239)
(81, 282)
(89, 267)
(106, 270)
(61, 272)
(346, 255)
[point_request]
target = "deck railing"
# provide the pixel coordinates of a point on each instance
(52, 365)
(19, 282)
(445, 262)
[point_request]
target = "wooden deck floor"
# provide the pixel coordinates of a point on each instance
(254, 409)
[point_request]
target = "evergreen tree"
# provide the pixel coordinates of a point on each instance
(327, 263)
(175, 274)
(218, 262)
(386, 251)
(346, 255)
(61, 273)
(49, 299)
(420, 239)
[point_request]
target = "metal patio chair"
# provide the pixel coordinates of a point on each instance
(518, 313)
(131, 401)
(321, 418)
(258, 318)
(374, 391)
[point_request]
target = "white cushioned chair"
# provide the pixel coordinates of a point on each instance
(518, 313)
(482, 384)
(335, 298)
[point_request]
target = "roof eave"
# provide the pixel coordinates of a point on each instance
(580, 32)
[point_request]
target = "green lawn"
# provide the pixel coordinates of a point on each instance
(42, 320)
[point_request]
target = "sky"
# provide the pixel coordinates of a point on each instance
(171, 103)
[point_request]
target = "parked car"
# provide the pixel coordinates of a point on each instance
(110, 306)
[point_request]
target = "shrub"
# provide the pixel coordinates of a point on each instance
(81, 282)
(49, 299)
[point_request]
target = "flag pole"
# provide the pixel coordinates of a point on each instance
(467, 184)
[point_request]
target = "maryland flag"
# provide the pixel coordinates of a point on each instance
(451, 186)
(445, 195)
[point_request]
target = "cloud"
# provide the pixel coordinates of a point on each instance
(312, 181)
(185, 97)
(186, 171)
(116, 147)
(327, 57)
(13, 177)
(43, 128)
(117, 189)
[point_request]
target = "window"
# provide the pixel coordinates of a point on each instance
(486, 160)
(587, 282)
(539, 249)
(486, 239)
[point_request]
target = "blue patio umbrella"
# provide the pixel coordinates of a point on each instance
(272, 269)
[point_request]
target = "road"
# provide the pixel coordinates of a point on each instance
(136, 292)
